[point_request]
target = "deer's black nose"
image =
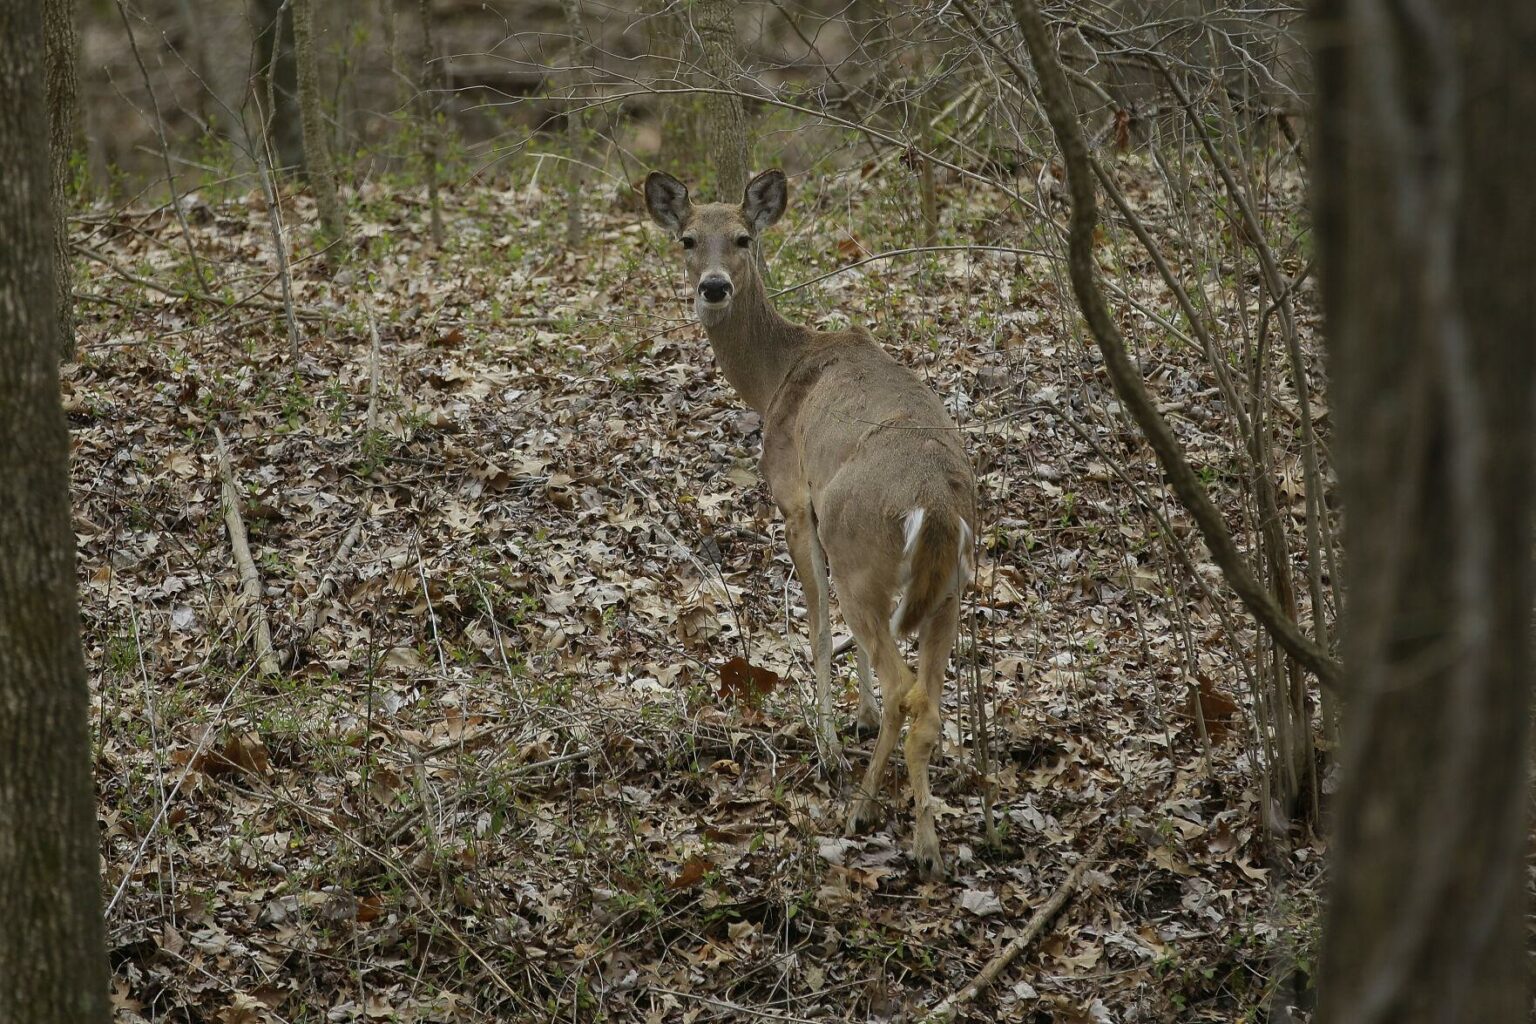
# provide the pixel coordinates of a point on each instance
(714, 289)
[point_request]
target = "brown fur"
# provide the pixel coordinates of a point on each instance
(852, 442)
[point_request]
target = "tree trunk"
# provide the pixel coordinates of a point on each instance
(392, 49)
(61, 41)
(278, 81)
(52, 945)
(573, 125)
(1424, 166)
(725, 135)
(927, 187)
(668, 35)
(431, 80)
(317, 155)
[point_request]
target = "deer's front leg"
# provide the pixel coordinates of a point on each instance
(811, 567)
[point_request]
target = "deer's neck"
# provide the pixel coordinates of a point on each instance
(754, 345)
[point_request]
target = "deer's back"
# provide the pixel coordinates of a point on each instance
(863, 429)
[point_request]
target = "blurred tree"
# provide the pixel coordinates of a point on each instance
(277, 81)
(573, 123)
(61, 40)
(1423, 167)
(52, 946)
(725, 147)
(431, 88)
(317, 154)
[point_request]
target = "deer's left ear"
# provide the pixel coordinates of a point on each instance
(765, 199)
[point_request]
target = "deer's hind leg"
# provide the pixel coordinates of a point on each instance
(870, 628)
(869, 713)
(924, 703)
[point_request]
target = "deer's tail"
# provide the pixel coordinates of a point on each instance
(936, 562)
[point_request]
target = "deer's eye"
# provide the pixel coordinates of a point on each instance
(742, 241)
(688, 242)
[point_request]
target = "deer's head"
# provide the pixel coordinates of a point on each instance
(719, 240)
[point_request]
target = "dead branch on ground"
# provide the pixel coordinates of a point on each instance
(250, 580)
(950, 1007)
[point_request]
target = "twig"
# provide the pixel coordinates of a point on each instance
(203, 743)
(165, 150)
(735, 1008)
(947, 1009)
(373, 368)
(250, 582)
(408, 819)
(426, 595)
(184, 293)
(280, 246)
(327, 587)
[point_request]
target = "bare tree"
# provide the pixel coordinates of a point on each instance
(1055, 98)
(725, 119)
(1424, 166)
(277, 85)
(573, 124)
(52, 945)
(62, 42)
(318, 167)
(431, 143)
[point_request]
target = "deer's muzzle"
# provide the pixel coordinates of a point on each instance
(715, 288)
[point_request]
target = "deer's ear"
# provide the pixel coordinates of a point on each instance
(765, 199)
(667, 200)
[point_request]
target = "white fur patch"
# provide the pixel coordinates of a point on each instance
(912, 525)
(965, 569)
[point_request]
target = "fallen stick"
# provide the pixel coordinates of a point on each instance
(311, 618)
(947, 1009)
(373, 369)
(250, 582)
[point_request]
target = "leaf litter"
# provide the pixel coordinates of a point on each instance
(544, 750)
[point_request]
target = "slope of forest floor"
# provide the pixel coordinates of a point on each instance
(504, 776)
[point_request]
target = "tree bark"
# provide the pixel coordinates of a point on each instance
(278, 81)
(431, 144)
(52, 944)
(725, 143)
(573, 125)
(317, 154)
(61, 41)
(1424, 169)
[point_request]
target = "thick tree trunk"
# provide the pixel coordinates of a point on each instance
(1424, 167)
(53, 966)
(278, 81)
(61, 41)
(725, 143)
(317, 154)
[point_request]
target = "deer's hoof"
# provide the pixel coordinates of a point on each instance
(925, 854)
(862, 816)
(866, 726)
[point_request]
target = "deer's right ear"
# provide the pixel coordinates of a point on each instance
(667, 199)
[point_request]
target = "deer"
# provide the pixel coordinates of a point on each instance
(869, 472)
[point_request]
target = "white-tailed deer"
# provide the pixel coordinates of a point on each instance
(868, 470)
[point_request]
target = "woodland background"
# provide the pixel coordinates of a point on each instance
(446, 661)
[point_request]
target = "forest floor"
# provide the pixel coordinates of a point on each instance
(508, 774)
